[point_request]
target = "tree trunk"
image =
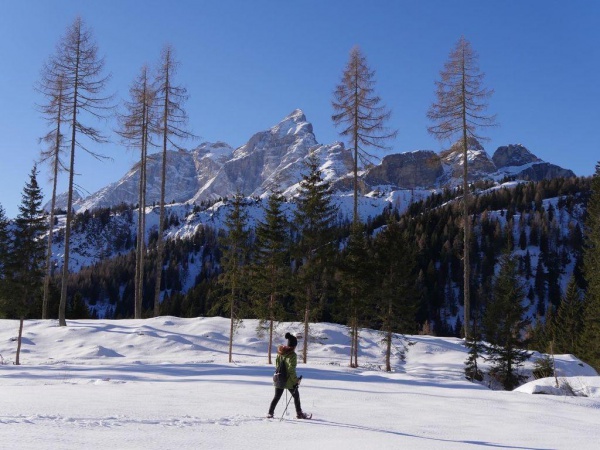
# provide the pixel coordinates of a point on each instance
(466, 224)
(62, 308)
(139, 269)
(17, 359)
(271, 320)
(51, 220)
(163, 183)
(356, 343)
(232, 316)
(306, 318)
(388, 352)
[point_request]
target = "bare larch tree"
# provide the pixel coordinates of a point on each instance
(77, 62)
(135, 126)
(362, 116)
(459, 110)
(172, 126)
(53, 91)
(360, 113)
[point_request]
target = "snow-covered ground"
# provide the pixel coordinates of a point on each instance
(165, 383)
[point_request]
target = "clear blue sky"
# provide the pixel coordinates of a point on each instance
(247, 64)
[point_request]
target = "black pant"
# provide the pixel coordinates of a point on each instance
(279, 393)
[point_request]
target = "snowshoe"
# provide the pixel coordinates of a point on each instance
(306, 416)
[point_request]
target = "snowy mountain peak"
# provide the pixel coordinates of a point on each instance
(295, 124)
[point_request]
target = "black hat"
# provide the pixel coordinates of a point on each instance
(292, 341)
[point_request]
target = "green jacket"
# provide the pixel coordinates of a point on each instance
(288, 356)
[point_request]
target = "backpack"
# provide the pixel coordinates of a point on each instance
(281, 375)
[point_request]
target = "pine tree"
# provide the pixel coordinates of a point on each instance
(360, 112)
(314, 220)
(234, 261)
(172, 126)
(77, 62)
(27, 254)
(590, 339)
(459, 111)
(271, 266)
(504, 324)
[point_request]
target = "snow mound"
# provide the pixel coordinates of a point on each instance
(564, 386)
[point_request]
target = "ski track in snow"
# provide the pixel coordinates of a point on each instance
(120, 421)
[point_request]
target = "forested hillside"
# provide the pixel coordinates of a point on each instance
(540, 223)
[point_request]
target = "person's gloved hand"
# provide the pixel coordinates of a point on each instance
(298, 382)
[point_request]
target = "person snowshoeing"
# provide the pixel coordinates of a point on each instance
(286, 355)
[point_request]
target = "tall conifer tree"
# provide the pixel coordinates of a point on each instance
(27, 254)
(52, 87)
(171, 127)
(459, 111)
(234, 260)
(4, 254)
(77, 62)
(567, 325)
(356, 285)
(504, 324)
(314, 220)
(360, 113)
(395, 284)
(136, 124)
(590, 339)
(271, 267)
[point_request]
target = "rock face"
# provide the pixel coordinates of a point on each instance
(543, 171)
(422, 168)
(518, 162)
(513, 155)
(275, 159)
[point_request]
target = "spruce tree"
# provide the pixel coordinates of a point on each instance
(394, 284)
(313, 222)
(504, 324)
(27, 254)
(568, 322)
(234, 262)
(4, 258)
(356, 285)
(271, 266)
(476, 348)
(590, 338)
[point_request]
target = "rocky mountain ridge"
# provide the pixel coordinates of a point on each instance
(274, 159)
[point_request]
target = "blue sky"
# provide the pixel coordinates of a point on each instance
(247, 64)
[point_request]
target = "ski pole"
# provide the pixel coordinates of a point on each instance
(286, 406)
(291, 396)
